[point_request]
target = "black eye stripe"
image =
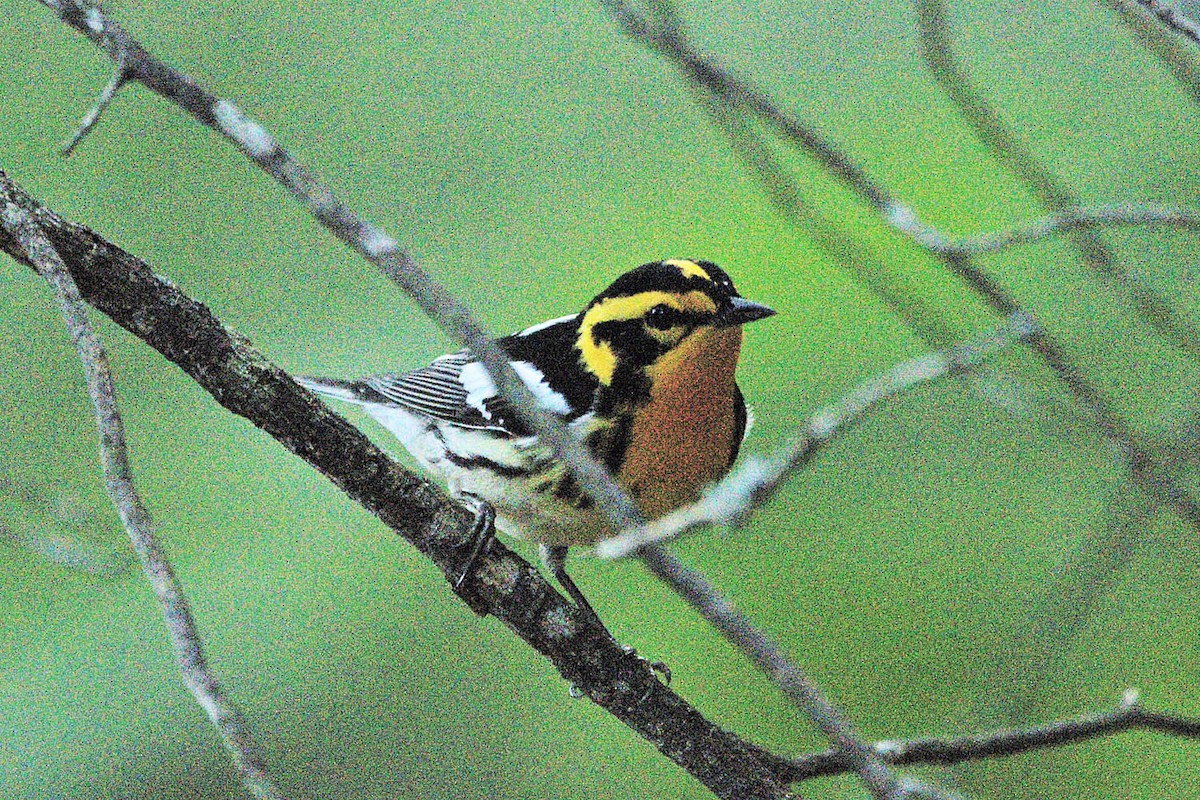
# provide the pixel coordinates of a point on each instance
(662, 317)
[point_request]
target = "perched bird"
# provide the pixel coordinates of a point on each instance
(644, 375)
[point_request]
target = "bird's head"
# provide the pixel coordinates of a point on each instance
(651, 311)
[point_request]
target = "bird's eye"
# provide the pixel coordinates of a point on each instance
(662, 317)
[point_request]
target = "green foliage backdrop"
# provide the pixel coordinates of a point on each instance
(949, 566)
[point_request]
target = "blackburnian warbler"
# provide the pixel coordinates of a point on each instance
(644, 375)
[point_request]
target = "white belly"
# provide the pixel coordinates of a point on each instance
(513, 474)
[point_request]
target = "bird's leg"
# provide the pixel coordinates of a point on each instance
(483, 532)
(555, 559)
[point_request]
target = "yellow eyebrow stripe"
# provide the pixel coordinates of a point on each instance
(626, 307)
(689, 269)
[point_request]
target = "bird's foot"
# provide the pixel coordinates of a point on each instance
(483, 532)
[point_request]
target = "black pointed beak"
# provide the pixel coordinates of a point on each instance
(740, 311)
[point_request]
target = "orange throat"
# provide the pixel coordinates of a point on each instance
(683, 438)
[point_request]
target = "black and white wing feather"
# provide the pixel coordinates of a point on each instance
(456, 389)
(437, 391)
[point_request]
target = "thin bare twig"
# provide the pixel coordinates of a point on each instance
(102, 103)
(118, 477)
(1112, 216)
(1129, 715)
(732, 500)
(1173, 18)
(1178, 55)
(1011, 152)
(702, 71)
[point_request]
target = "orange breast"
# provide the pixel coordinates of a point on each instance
(682, 439)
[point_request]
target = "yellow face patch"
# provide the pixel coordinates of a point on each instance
(690, 269)
(599, 357)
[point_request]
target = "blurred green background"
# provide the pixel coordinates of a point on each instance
(950, 565)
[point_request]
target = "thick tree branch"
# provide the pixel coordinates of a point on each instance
(31, 245)
(242, 380)
(135, 63)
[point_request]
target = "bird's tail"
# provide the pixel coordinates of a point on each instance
(349, 391)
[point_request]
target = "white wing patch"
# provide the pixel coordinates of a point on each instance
(480, 388)
(550, 323)
(536, 381)
(475, 379)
